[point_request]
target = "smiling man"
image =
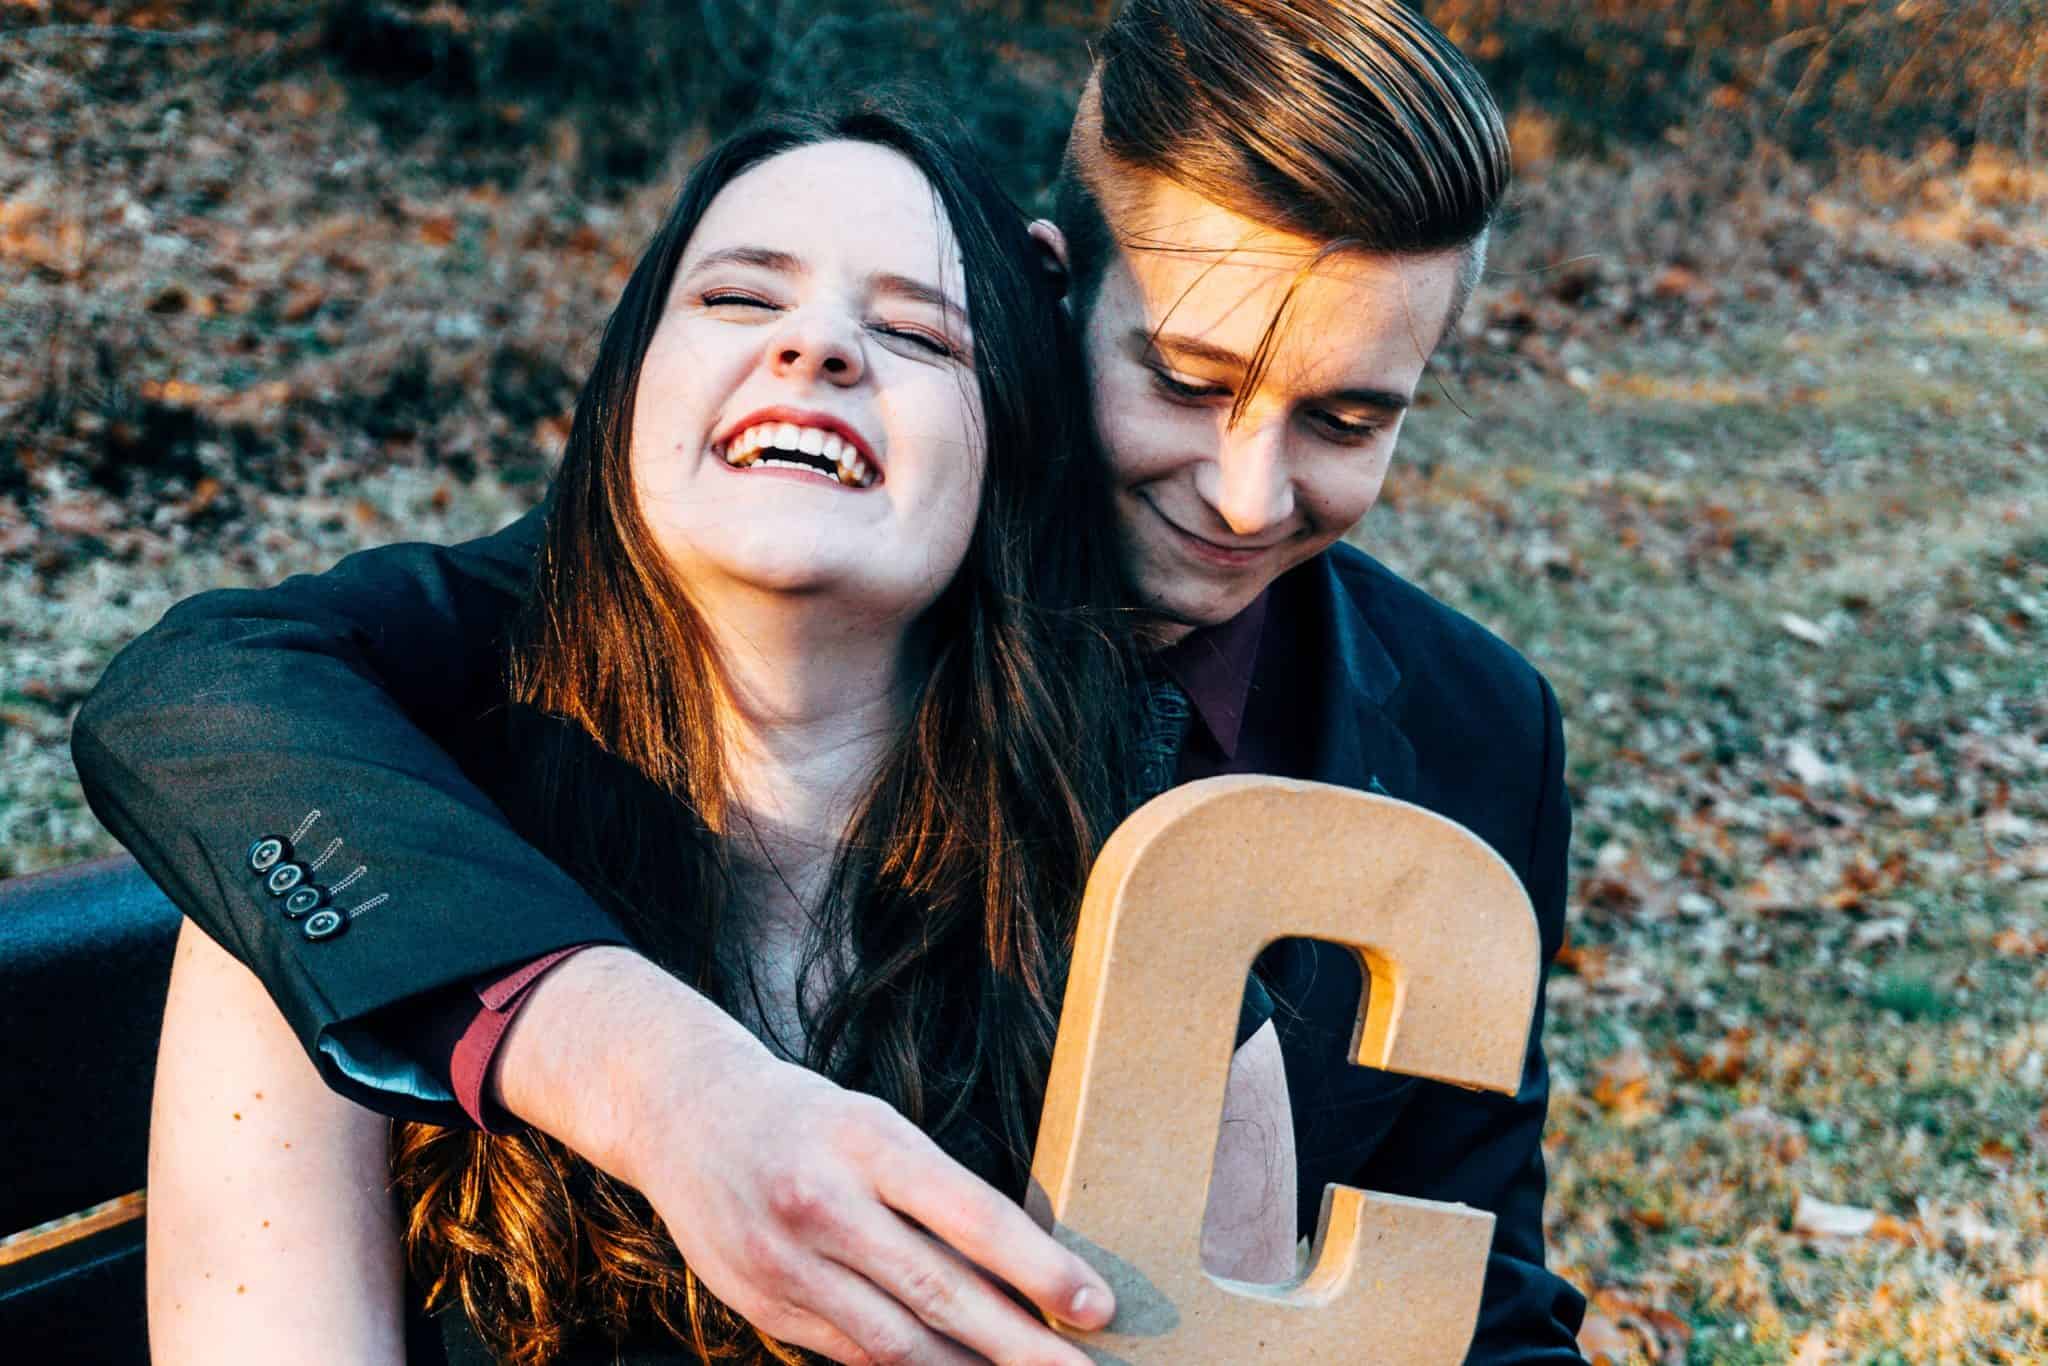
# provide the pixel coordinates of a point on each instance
(1270, 215)
(1250, 386)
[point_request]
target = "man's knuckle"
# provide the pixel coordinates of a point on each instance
(763, 1259)
(930, 1291)
(797, 1200)
(890, 1346)
(863, 1125)
(970, 1226)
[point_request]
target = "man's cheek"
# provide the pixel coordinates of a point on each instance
(1155, 439)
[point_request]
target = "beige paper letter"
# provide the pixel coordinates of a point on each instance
(1186, 893)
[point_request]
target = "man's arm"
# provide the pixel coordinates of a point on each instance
(306, 716)
(1486, 1150)
(307, 713)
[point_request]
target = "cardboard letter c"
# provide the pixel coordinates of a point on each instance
(1184, 896)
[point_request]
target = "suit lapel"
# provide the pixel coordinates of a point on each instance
(1358, 745)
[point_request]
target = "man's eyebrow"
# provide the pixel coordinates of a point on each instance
(1387, 400)
(763, 257)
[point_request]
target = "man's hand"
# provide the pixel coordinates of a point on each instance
(820, 1215)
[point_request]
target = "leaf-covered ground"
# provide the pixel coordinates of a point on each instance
(1752, 460)
(1792, 584)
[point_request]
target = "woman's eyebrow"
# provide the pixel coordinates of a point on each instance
(762, 257)
(918, 292)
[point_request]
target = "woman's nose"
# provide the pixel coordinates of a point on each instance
(814, 348)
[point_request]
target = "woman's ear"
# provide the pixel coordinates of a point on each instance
(1052, 246)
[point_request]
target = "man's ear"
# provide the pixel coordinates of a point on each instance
(1052, 245)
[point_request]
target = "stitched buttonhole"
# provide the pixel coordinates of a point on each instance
(325, 854)
(305, 825)
(349, 881)
(372, 904)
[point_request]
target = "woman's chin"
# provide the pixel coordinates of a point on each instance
(849, 586)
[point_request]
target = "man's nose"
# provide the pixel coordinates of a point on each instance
(1254, 491)
(809, 346)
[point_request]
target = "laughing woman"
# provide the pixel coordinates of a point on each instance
(822, 687)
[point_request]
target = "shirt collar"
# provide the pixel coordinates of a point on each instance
(1214, 666)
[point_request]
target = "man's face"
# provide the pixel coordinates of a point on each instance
(1214, 510)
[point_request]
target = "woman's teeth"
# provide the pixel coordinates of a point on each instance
(800, 448)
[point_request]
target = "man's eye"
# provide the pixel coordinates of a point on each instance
(1355, 430)
(1179, 389)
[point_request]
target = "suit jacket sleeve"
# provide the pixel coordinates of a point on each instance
(315, 712)
(1485, 1150)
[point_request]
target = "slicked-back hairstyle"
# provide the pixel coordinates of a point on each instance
(1355, 123)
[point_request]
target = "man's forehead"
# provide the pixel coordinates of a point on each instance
(1183, 235)
(1202, 270)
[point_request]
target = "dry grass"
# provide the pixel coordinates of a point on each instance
(1792, 583)
(1747, 451)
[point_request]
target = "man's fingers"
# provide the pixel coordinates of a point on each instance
(813, 1334)
(975, 1220)
(954, 1297)
(849, 1320)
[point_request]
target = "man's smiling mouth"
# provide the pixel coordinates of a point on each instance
(791, 445)
(1217, 551)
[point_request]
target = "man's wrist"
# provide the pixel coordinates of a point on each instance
(601, 1045)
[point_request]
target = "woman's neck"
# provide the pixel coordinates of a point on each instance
(813, 697)
(810, 703)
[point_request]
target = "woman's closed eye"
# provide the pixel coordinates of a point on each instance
(923, 339)
(932, 343)
(732, 298)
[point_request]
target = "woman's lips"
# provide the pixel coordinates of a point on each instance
(802, 443)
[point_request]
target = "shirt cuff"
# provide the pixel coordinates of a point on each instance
(497, 1000)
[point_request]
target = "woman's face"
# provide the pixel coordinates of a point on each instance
(807, 419)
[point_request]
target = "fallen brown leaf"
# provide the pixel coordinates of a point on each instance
(1619, 1329)
(1820, 1219)
(1602, 1342)
(1623, 1087)
(302, 303)
(2016, 942)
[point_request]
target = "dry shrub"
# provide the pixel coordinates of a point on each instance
(1815, 76)
(616, 88)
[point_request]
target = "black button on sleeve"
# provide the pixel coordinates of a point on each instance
(267, 853)
(284, 877)
(305, 899)
(324, 924)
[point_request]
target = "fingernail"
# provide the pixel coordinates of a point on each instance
(1090, 1304)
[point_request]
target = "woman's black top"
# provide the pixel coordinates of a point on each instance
(503, 753)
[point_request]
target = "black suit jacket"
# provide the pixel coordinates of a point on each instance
(311, 713)
(1386, 689)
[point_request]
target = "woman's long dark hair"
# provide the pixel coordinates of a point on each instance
(945, 933)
